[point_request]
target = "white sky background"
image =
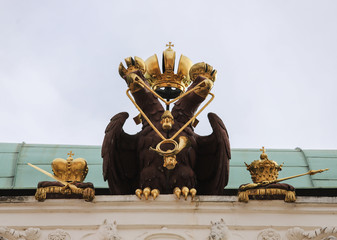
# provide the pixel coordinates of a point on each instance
(276, 62)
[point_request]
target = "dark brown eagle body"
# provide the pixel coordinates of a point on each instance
(128, 162)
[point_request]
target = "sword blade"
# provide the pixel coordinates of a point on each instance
(48, 174)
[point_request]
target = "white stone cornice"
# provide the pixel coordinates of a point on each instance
(167, 216)
(162, 198)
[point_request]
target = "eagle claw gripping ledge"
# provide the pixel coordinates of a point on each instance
(166, 156)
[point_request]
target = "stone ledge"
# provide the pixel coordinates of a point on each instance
(164, 198)
(138, 219)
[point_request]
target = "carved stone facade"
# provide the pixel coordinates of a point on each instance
(324, 233)
(12, 234)
(166, 218)
(107, 231)
(269, 234)
(59, 234)
(219, 231)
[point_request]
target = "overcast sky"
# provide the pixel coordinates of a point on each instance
(276, 62)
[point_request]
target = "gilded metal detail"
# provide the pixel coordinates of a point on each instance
(154, 193)
(151, 70)
(167, 103)
(204, 70)
(265, 172)
(263, 169)
(133, 64)
(168, 78)
(264, 193)
(170, 154)
(177, 192)
(204, 88)
(139, 193)
(185, 191)
(71, 169)
(167, 120)
(69, 173)
(147, 192)
(88, 194)
(170, 45)
(141, 83)
(193, 192)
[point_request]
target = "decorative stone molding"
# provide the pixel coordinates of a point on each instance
(165, 233)
(107, 231)
(269, 234)
(326, 233)
(12, 234)
(295, 233)
(59, 234)
(160, 236)
(219, 231)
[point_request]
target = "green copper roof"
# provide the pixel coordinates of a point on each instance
(16, 174)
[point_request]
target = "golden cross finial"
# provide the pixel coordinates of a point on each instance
(170, 45)
(70, 154)
(263, 150)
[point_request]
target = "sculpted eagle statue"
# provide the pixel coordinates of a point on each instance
(166, 156)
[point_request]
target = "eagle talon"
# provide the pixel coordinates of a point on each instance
(139, 193)
(154, 193)
(146, 192)
(193, 192)
(177, 192)
(185, 192)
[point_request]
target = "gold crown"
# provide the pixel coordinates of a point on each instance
(263, 169)
(168, 78)
(70, 170)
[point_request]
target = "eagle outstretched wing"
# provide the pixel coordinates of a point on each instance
(119, 153)
(213, 155)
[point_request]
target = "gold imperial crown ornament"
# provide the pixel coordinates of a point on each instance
(264, 173)
(70, 170)
(167, 83)
(69, 174)
(168, 78)
(263, 169)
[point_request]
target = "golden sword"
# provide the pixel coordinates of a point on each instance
(264, 183)
(49, 174)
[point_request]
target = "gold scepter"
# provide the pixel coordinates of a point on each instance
(264, 183)
(71, 186)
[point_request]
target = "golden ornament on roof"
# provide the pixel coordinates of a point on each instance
(165, 78)
(266, 186)
(263, 169)
(69, 174)
(70, 169)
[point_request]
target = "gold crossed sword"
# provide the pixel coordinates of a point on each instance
(264, 183)
(72, 186)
